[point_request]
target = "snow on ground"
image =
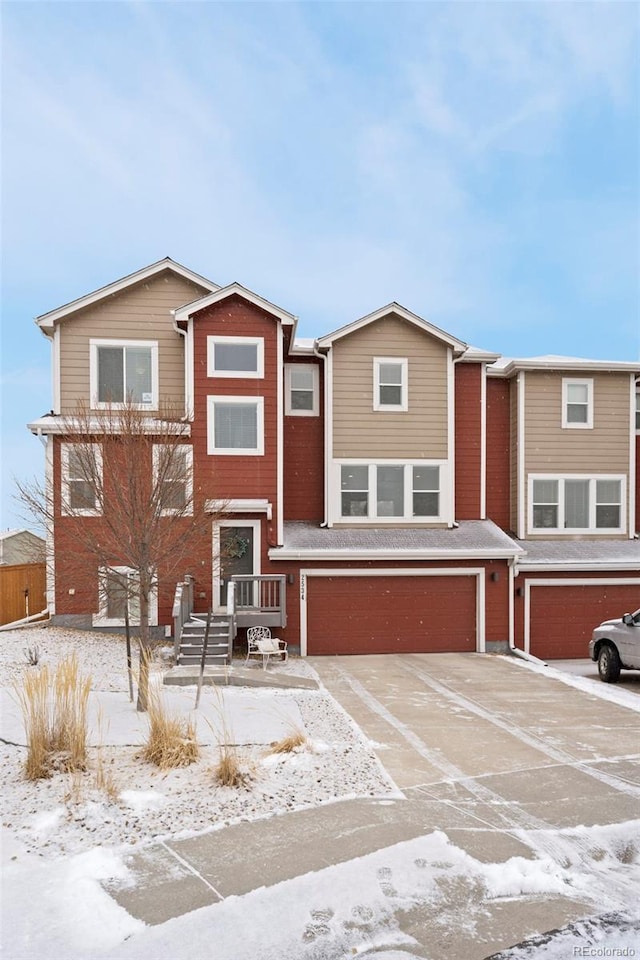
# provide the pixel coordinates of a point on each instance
(605, 691)
(350, 909)
(70, 814)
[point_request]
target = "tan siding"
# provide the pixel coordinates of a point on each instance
(360, 431)
(552, 449)
(142, 312)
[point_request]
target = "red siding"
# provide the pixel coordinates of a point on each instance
(350, 615)
(498, 470)
(468, 426)
(563, 617)
(304, 463)
(238, 477)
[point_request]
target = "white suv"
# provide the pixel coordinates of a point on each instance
(616, 645)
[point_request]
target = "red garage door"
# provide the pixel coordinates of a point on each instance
(391, 614)
(563, 617)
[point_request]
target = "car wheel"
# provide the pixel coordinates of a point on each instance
(609, 664)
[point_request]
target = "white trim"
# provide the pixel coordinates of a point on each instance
(50, 549)
(256, 525)
(315, 387)
(257, 342)
(564, 363)
(483, 442)
(390, 553)
(450, 515)
(189, 378)
(592, 529)
(187, 449)
(66, 509)
(55, 363)
(573, 582)
(46, 320)
(67, 426)
(520, 440)
(632, 460)
(100, 619)
(403, 406)
(478, 572)
(221, 293)
(578, 565)
(577, 382)
(330, 475)
(512, 630)
(457, 345)
(280, 435)
(239, 506)
(212, 450)
(94, 344)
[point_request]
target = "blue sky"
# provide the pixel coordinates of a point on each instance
(478, 163)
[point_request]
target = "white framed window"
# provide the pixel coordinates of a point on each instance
(235, 426)
(122, 371)
(576, 504)
(637, 411)
(173, 472)
(577, 404)
(81, 479)
(391, 491)
(390, 384)
(301, 382)
(118, 590)
(235, 357)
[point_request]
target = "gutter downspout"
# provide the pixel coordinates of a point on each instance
(513, 650)
(324, 358)
(184, 334)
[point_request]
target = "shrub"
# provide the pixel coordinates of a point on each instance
(290, 743)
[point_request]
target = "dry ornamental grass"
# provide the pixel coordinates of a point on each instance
(172, 740)
(290, 743)
(54, 709)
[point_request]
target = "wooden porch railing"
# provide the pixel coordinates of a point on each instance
(260, 599)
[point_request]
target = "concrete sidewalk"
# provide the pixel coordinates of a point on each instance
(481, 749)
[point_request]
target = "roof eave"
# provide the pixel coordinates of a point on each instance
(458, 346)
(390, 553)
(47, 321)
(221, 293)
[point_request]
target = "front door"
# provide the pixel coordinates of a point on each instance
(236, 559)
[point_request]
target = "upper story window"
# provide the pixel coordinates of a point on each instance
(124, 371)
(235, 425)
(301, 388)
(173, 468)
(81, 486)
(403, 491)
(235, 357)
(577, 403)
(638, 411)
(390, 384)
(576, 504)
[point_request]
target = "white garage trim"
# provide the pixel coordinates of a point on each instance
(478, 572)
(583, 582)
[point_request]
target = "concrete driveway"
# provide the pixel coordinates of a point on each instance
(514, 766)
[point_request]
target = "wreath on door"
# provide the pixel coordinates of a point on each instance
(236, 546)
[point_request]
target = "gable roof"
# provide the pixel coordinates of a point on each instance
(221, 293)
(457, 345)
(47, 321)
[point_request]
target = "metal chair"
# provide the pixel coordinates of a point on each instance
(260, 643)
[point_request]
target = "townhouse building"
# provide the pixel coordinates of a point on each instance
(403, 490)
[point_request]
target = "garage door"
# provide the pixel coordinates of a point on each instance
(389, 614)
(563, 617)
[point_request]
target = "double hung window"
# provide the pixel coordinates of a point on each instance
(81, 486)
(577, 403)
(301, 386)
(173, 465)
(390, 384)
(124, 372)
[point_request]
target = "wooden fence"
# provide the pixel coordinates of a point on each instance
(23, 591)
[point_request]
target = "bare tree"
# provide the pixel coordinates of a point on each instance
(125, 498)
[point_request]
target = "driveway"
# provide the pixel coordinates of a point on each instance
(515, 792)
